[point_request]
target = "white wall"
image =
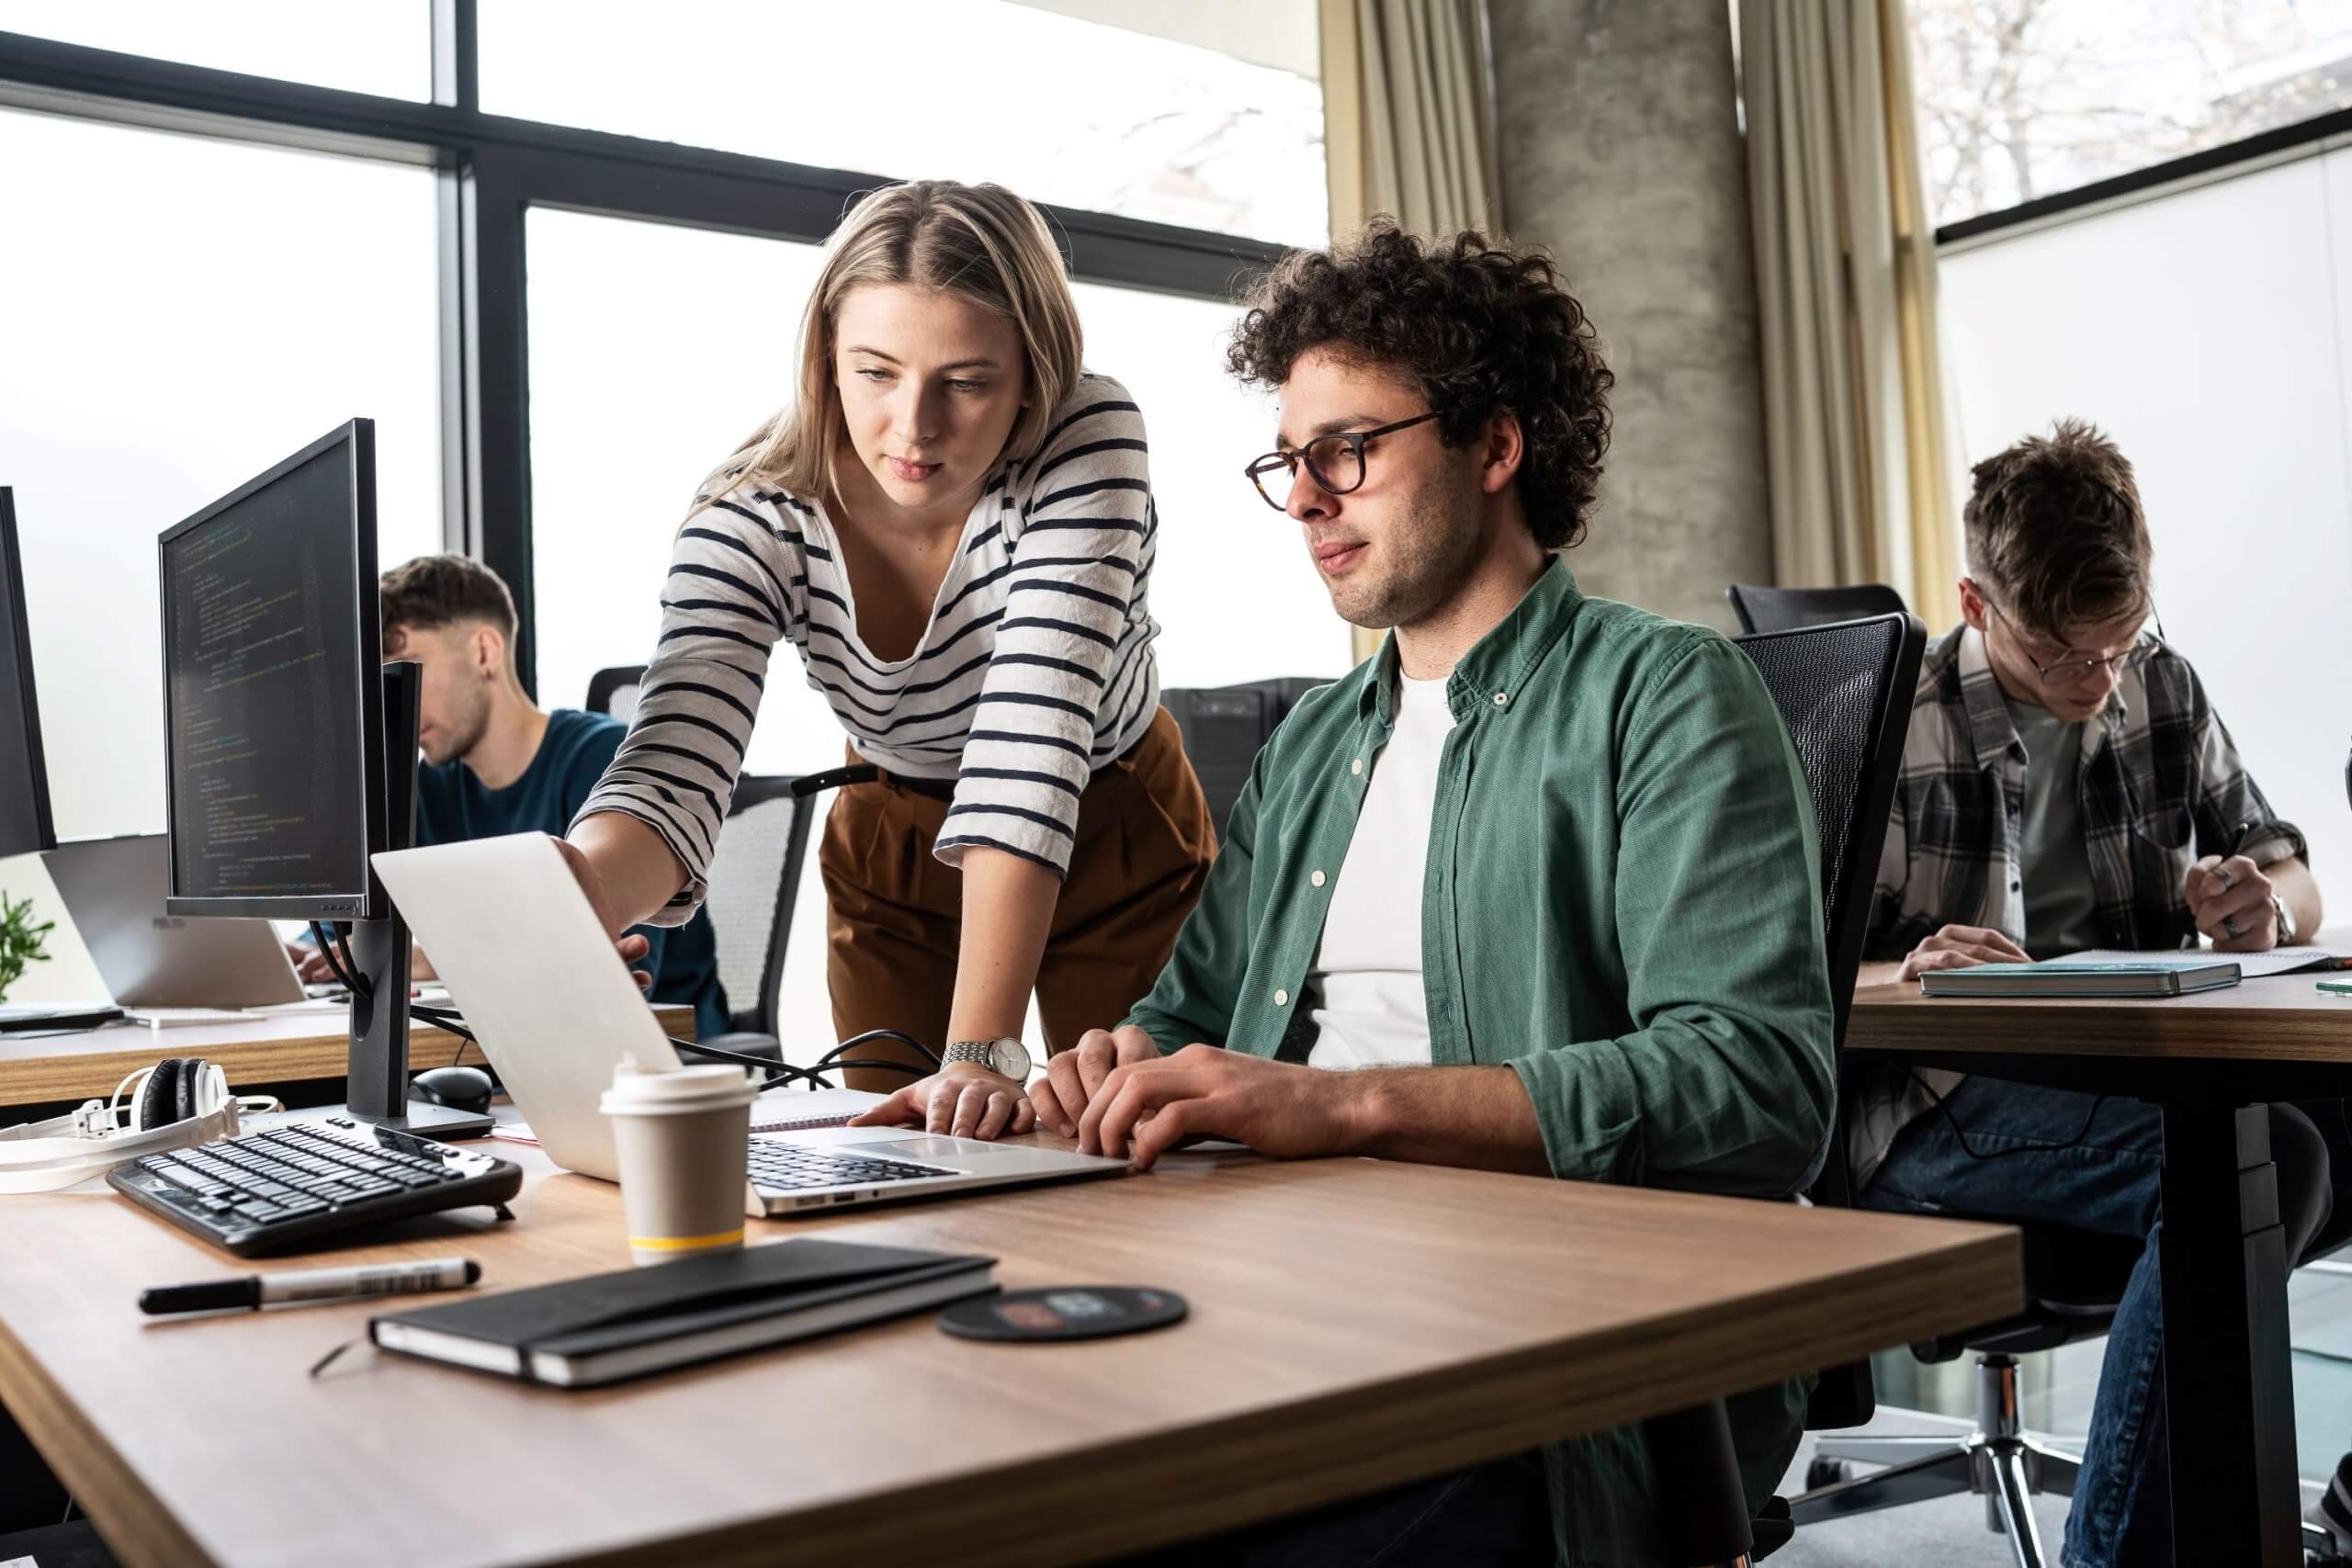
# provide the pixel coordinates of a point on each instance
(2209, 332)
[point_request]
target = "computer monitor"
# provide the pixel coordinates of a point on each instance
(273, 706)
(25, 825)
(289, 748)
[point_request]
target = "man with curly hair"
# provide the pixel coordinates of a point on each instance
(1544, 871)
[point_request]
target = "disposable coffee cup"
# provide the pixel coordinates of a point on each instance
(683, 1136)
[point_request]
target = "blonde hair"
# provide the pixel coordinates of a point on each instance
(979, 243)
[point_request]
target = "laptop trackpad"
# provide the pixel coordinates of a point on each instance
(832, 1138)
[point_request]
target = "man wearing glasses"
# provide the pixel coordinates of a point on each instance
(1541, 873)
(2066, 784)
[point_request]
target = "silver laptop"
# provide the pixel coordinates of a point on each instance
(114, 889)
(555, 1010)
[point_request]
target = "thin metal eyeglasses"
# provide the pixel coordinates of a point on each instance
(1334, 462)
(2068, 671)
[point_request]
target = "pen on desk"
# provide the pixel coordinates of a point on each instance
(312, 1284)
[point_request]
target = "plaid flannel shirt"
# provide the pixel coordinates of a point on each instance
(2160, 786)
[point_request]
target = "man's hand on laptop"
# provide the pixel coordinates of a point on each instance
(1960, 947)
(1284, 1109)
(964, 1098)
(312, 965)
(1074, 1078)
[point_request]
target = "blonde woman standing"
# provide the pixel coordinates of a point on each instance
(953, 525)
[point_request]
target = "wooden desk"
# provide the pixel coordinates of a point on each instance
(2208, 1062)
(280, 1048)
(1355, 1324)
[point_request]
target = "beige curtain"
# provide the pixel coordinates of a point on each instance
(1857, 431)
(1408, 123)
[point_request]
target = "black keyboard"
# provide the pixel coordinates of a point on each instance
(281, 1189)
(797, 1167)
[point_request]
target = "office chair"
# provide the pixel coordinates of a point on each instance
(754, 879)
(1845, 692)
(614, 691)
(2072, 1279)
(1223, 727)
(1787, 609)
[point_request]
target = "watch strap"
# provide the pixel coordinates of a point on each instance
(980, 1051)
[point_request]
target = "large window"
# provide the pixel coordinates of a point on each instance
(558, 331)
(2021, 99)
(178, 314)
(1209, 116)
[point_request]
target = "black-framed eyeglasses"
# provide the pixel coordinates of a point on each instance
(2068, 671)
(1334, 462)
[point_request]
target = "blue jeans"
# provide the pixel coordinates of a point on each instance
(2110, 1181)
(1493, 1515)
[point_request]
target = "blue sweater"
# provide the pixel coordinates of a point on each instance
(452, 805)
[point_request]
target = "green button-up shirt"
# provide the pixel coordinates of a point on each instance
(1621, 902)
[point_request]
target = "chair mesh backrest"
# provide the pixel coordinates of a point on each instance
(614, 691)
(1224, 726)
(753, 879)
(1787, 609)
(1845, 692)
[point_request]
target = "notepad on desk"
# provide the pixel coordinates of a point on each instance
(2251, 965)
(2068, 978)
(607, 1327)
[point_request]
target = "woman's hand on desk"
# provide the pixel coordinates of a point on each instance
(1073, 1078)
(1960, 947)
(965, 1099)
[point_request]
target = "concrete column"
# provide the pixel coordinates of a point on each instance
(1619, 148)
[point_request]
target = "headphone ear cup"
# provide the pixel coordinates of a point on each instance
(159, 1097)
(207, 1083)
(184, 1089)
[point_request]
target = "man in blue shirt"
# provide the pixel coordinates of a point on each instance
(496, 763)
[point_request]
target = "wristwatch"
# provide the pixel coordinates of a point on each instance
(1007, 1056)
(2286, 937)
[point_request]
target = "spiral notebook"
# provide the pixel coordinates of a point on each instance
(778, 1110)
(797, 1109)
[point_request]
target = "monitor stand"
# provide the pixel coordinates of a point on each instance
(378, 1085)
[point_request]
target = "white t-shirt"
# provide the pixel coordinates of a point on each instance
(1367, 971)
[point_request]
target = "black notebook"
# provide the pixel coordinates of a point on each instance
(582, 1333)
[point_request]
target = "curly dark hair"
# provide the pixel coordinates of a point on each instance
(1480, 325)
(2056, 531)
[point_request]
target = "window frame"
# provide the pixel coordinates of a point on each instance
(2248, 155)
(491, 171)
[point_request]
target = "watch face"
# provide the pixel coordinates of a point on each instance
(1011, 1058)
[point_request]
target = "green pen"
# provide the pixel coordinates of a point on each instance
(2337, 987)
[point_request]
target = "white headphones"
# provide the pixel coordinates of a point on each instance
(178, 1102)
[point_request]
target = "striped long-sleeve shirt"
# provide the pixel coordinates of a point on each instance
(1036, 670)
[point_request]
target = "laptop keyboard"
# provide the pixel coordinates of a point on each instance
(795, 1167)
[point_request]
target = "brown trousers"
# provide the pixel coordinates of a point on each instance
(1144, 844)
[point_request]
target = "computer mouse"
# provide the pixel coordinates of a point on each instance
(459, 1089)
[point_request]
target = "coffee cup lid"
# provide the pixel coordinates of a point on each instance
(656, 1092)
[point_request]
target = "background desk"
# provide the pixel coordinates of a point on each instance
(1355, 1324)
(267, 1049)
(2208, 1062)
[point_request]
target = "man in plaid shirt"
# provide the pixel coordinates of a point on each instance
(2067, 784)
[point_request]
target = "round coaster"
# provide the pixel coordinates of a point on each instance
(1063, 1312)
